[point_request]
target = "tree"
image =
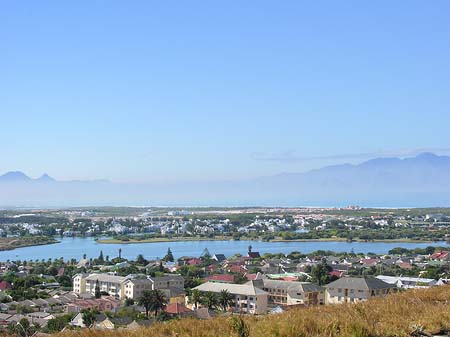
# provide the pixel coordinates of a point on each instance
(320, 274)
(169, 256)
(89, 316)
(100, 257)
(210, 300)
(195, 298)
(153, 300)
(141, 260)
(98, 293)
(120, 253)
(225, 299)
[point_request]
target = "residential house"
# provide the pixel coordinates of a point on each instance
(355, 289)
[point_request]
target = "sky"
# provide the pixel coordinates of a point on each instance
(167, 91)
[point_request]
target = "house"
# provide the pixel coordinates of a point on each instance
(246, 297)
(224, 278)
(178, 310)
(440, 256)
(355, 289)
(105, 303)
(77, 321)
(219, 257)
(291, 292)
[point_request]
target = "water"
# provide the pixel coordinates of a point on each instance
(75, 248)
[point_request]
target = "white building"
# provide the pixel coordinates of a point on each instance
(246, 297)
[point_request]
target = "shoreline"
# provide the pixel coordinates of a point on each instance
(156, 240)
(31, 244)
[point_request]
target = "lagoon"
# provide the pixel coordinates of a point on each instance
(69, 248)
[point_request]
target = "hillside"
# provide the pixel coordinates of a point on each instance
(403, 314)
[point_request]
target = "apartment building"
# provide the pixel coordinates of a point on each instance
(356, 289)
(291, 292)
(134, 288)
(246, 297)
(130, 286)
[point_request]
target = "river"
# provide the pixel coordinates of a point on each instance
(75, 248)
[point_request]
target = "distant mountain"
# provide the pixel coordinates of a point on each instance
(14, 176)
(20, 177)
(46, 178)
(423, 180)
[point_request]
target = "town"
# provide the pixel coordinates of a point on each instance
(134, 225)
(106, 293)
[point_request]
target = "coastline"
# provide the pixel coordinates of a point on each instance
(181, 239)
(7, 246)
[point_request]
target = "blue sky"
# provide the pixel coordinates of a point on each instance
(173, 91)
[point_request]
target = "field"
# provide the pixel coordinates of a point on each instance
(410, 313)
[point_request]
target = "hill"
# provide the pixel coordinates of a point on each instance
(411, 313)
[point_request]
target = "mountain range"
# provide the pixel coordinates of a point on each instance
(423, 180)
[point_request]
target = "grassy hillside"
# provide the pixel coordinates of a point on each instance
(397, 315)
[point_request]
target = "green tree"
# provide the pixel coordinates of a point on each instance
(196, 297)
(210, 300)
(320, 274)
(153, 300)
(100, 257)
(225, 299)
(169, 256)
(89, 316)
(98, 293)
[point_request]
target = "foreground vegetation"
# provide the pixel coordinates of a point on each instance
(411, 313)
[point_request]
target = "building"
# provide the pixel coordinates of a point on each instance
(291, 292)
(404, 282)
(246, 297)
(134, 288)
(130, 286)
(167, 281)
(355, 289)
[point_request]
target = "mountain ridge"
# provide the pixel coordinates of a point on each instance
(423, 180)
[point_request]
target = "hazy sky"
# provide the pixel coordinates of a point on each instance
(195, 90)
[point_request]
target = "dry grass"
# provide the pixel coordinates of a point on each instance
(396, 315)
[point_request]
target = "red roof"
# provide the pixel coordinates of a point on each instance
(439, 255)
(194, 262)
(336, 273)
(176, 308)
(227, 278)
(254, 255)
(251, 277)
(4, 285)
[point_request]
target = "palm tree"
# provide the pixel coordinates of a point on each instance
(153, 300)
(225, 299)
(195, 298)
(210, 300)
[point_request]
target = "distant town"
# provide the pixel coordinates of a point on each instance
(110, 292)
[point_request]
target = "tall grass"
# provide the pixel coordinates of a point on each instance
(396, 315)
